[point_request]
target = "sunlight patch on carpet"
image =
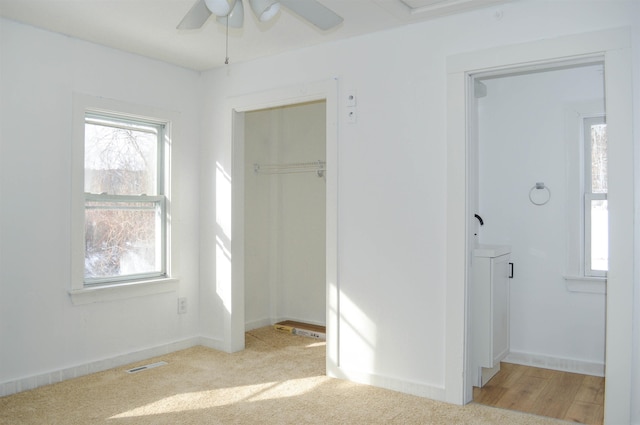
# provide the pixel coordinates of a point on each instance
(224, 397)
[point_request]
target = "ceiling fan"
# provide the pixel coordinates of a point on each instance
(231, 12)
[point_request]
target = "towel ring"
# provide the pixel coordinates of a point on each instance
(539, 186)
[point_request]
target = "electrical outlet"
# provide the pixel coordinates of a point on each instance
(182, 305)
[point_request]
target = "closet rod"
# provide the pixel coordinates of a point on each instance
(318, 167)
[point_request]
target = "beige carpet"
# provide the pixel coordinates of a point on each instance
(278, 379)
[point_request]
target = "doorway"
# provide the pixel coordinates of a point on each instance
(613, 47)
(231, 280)
(284, 220)
(530, 176)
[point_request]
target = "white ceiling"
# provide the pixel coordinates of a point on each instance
(148, 27)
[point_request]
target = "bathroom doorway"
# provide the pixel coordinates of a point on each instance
(531, 174)
(612, 47)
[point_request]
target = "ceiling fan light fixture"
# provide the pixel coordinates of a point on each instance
(220, 7)
(265, 9)
(235, 17)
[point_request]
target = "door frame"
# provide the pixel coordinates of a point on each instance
(327, 90)
(613, 46)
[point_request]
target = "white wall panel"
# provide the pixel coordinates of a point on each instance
(41, 331)
(392, 187)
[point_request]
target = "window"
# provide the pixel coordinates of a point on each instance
(124, 199)
(596, 215)
(120, 200)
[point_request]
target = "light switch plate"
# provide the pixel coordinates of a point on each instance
(351, 98)
(352, 116)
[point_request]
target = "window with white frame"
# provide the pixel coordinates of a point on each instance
(596, 215)
(125, 203)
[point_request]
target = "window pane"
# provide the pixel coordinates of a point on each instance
(599, 235)
(120, 239)
(120, 158)
(599, 158)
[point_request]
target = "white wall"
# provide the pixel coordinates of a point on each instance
(391, 168)
(284, 217)
(524, 138)
(41, 332)
(392, 193)
(635, 377)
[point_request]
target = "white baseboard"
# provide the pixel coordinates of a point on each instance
(255, 324)
(486, 373)
(419, 389)
(35, 381)
(216, 344)
(304, 320)
(556, 363)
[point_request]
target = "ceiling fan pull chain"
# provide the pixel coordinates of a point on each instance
(226, 60)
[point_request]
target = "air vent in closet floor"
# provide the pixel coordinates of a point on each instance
(302, 329)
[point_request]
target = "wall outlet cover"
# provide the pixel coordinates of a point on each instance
(182, 305)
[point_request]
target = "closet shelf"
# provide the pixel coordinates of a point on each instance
(318, 167)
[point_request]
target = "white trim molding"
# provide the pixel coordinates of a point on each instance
(585, 284)
(420, 389)
(101, 293)
(79, 292)
(556, 363)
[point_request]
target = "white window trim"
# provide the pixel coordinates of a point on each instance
(576, 279)
(586, 284)
(589, 195)
(112, 292)
(79, 292)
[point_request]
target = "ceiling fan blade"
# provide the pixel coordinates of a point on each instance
(195, 17)
(314, 12)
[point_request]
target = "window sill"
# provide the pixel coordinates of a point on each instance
(588, 285)
(121, 291)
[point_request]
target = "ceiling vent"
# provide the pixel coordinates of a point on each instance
(426, 9)
(418, 4)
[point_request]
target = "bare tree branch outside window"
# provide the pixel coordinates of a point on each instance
(121, 227)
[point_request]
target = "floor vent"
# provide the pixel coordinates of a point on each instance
(145, 367)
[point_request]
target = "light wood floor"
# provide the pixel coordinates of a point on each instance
(544, 392)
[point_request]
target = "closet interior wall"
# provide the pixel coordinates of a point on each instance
(285, 216)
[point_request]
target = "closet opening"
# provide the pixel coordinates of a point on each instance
(279, 207)
(285, 217)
